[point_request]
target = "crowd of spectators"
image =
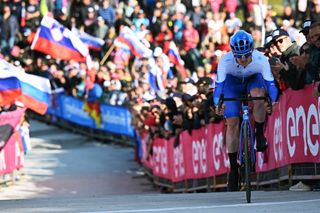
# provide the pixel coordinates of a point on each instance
(200, 29)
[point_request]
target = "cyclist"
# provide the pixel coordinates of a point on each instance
(243, 70)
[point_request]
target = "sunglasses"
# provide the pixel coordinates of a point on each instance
(279, 41)
(246, 55)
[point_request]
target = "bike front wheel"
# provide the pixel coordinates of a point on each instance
(247, 161)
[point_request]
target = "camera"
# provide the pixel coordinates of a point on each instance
(274, 61)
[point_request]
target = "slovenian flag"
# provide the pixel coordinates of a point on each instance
(10, 90)
(59, 42)
(93, 43)
(35, 90)
(175, 58)
(137, 48)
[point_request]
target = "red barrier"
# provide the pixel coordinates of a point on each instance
(11, 155)
(199, 155)
(292, 132)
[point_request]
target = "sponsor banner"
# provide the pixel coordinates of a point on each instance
(177, 160)
(196, 151)
(146, 158)
(7, 156)
(72, 110)
(200, 155)
(116, 119)
(293, 131)
(11, 154)
(160, 158)
(218, 156)
(54, 107)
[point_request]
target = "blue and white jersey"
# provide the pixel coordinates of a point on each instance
(229, 66)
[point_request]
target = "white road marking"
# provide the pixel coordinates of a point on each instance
(207, 207)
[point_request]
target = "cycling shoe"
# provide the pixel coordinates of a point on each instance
(262, 144)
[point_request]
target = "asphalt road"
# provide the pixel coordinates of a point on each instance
(65, 172)
(63, 164)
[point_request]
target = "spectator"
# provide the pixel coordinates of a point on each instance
(164, 37)
(101, 29)
(315, 11)
(90, 24)
(197, 16)
(289, 72)
(156, 22)
(313, 65)
(107, 12)
(9, 29)
(288, 14)
(32, 15)
(191, 40)
(233, 24)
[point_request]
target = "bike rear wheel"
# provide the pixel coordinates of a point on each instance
(247, 161)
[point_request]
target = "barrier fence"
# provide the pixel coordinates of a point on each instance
(11, 151)
(292, 132)
(114, 119)
(200, 160)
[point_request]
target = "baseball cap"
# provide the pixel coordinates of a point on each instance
(90, 9)
(267, 41)
(187, 97)
(157, 52)
(148, 96)
(204, 80)
(187, 80)
(306, 25)
(278, 33)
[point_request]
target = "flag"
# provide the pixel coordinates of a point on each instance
(59, 42)
(10, 90)
(92, 104)
(175, 58)
(35, 89)
(93, 110)
(23, 16)
(92, 42)
(24, 132)
(137, 48)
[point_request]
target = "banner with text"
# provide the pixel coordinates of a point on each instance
(292, 132)
(115, 119)
(11, 154)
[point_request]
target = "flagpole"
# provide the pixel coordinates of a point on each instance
(107, 55)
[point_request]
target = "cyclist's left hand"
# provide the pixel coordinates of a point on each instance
(268, 108)
(220, 112)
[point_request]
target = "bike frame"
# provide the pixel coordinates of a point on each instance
(247, 129)
(246, 121)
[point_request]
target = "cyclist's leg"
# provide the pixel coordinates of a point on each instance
(256, 86)
(232, 88)
(232, 141)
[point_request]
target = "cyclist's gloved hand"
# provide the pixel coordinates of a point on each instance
(269, 108)
(220, 111)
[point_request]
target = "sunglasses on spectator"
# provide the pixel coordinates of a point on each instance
(246, 55)
(280, 41)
